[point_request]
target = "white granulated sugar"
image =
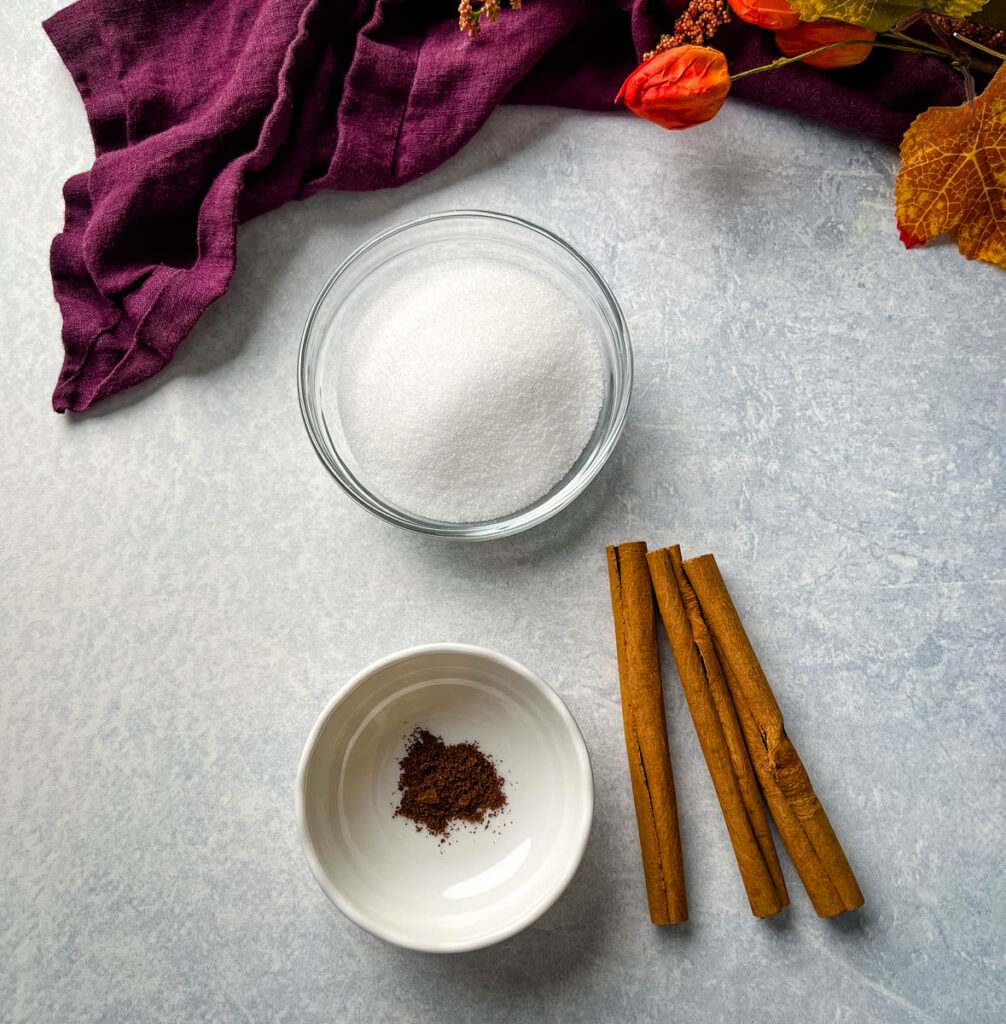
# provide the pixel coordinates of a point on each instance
(469, 389)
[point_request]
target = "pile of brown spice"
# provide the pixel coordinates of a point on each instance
(441, 784)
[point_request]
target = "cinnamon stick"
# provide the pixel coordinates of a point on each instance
(646, 733)
(728, 761)
(740, 758)
(805, 829)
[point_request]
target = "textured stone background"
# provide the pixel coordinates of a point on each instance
(182, 588)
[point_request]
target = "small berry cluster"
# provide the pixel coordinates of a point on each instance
(470, 18)
(697, 23)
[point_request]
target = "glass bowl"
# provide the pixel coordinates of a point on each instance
(366, 275)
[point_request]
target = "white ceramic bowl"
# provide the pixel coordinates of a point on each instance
(484, 884)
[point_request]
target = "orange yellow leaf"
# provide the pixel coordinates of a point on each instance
(953, 176)
(880, 14)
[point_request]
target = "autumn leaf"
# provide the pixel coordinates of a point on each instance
(880, 14)
(953, 176)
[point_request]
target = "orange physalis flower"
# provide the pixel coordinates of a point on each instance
(679, 87)
(774, 15)
(809, 35)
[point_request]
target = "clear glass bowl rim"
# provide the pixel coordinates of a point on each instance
(531, 515)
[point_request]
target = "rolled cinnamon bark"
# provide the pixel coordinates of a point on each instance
(728, 762)
(747, 778)
(805, 829)
(646, 732)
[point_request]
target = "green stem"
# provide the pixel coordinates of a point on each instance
(942, 51)
(933, 48)
(783, 61)
(980, 46)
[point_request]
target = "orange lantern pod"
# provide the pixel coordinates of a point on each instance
(809, 35)
(679, 87)
(775, 15)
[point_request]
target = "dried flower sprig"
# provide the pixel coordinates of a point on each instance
(951, 156)
(470, 18)
(697, 23)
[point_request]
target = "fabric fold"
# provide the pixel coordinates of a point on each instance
(205, 113)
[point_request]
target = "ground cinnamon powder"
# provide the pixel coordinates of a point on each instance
(441, 784)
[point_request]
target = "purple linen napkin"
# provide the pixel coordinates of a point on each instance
(205, 113)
